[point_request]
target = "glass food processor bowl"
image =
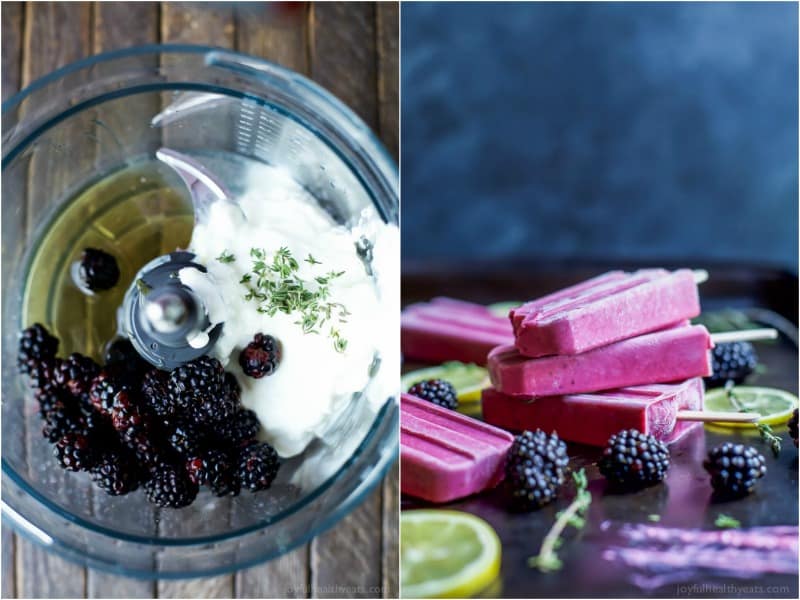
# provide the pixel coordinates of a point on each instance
(77, 146)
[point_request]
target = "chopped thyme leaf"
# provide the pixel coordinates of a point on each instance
(226, 257)
(277, 287)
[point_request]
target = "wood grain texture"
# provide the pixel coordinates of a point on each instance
(391, 529)
(12, 15)
(343, 57)
(124, 24)
(9, 579)
(55, 34)
(285, 577)
(388, 75)
(346, 561)
(278, 36)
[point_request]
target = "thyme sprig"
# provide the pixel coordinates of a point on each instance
(574, 515)
(764, 430)
(275, 285)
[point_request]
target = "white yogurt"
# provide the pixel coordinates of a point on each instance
(313, 381)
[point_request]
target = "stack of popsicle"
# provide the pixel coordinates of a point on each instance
(613, 352)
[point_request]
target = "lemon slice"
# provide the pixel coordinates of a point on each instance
(775, 406)
(468, 379)
(446, 554)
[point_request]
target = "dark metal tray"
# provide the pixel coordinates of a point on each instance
(684, 499)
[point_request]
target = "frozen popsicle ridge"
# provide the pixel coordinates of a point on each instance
(446, 455)
(672, 354)
(605, 309)
(593, 418)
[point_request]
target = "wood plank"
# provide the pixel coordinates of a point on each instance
(346, 561)
(343, 54)
(388, 26)
(120, 25)
(12, 16)
(44, 575)
(124, 24)
(55, 34)
(391, 528)
(283, 577)
(9, 580)
(279, 36)
(282, 38)
(210, 24)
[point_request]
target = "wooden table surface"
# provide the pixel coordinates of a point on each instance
(352, 50)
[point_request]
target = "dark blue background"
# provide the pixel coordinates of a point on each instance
(601, 131)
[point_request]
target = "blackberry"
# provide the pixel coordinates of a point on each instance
(634, 460)
(438, 391)
(43, 375)
(35, 345)
(215, 469)
(76, 373)
(260, 357)
(116, 473)
(546, 453)
(734, 469)
(242, 427)
(157, 394)
(127, 418)
(187, 439)
(103, 390)
(202, 375)
(98, 270)
(211, 409)
(170, 487)
(258, 466)
(731, 361)
(148, 450)
(124, 362)
(99, 428)
(530, 487)
(534, 469)
(63, 417)
(792, 424)
(49, 400)
(75, 452)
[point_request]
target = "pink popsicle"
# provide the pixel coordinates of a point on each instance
(605, 309)
(672, 354)
(446, 329)
(593, 418)
(445, 455)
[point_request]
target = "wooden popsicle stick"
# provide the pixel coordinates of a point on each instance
(717, 416)
(700, 276)
(744, 335)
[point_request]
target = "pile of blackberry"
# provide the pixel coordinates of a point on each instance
(734, 469)
(535, 467)
(633, 460)
(130, 425)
